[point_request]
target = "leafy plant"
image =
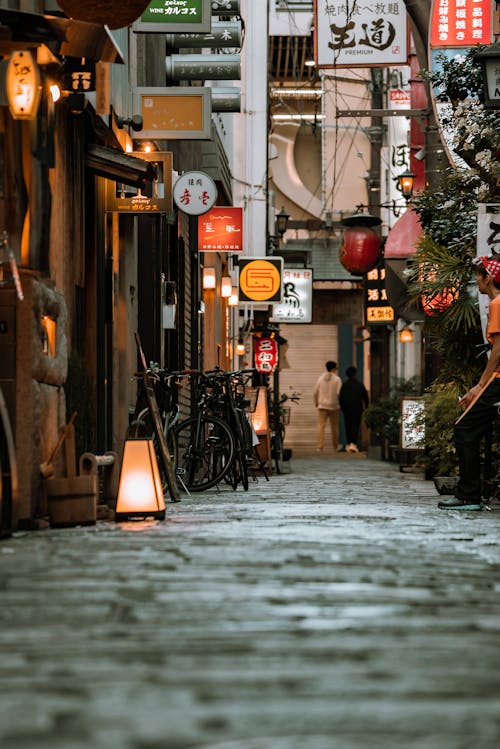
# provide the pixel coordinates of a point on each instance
(382, 417)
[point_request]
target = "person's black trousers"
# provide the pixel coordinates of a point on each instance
(352, 424)
(467, 439)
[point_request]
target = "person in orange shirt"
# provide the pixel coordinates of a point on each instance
(481, 401)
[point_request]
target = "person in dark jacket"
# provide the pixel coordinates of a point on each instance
(353, 400)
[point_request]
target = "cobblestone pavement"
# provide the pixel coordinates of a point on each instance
(332, 608)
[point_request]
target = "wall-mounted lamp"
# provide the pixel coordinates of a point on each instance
(209, 279)
(55, 92)
(23, 85)
(240, 347)
(282, 222)
(140, 492)
(406, 335)
(226, 287)
(233, 299)
(405, 183)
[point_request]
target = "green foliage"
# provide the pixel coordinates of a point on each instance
(458, 78)
(383, 416)
(441, 412)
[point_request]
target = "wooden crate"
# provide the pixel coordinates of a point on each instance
(72, 501)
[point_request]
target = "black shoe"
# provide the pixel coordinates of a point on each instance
(453, 503)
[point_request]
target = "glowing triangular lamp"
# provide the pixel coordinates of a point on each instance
(140, 493)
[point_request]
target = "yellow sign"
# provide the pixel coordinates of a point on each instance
(260, 279)
(379, 314)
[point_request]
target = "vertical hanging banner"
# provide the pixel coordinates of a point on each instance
(266, 355)
(488, 243)
(174, 16)
(221, 230)
(348, 33)
(378, 311)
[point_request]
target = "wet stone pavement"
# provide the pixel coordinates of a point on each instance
(331, 608)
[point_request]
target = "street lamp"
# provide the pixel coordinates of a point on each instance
(405, 183)
(282, 222)
(489, 59)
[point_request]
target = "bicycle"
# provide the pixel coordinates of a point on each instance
(205, 443)
(279, 418)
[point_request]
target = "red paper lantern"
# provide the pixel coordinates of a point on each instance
(360, 252)
(436, 303)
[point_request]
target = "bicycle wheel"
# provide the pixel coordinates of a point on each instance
(277, 450)
(205, 451)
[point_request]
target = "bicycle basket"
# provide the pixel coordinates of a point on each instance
(251, 396)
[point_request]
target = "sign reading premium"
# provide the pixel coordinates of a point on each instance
(260, 279)
(195, 193)
(348, 33)
(377, 308)
(172, 16)
(297, 297)
(220, 230)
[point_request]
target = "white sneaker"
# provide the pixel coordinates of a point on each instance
(352, 448)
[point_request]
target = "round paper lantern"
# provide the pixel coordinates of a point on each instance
(114, 13)
(436, 303)
(360, 252)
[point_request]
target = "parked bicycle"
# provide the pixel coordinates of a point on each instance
(279, 418)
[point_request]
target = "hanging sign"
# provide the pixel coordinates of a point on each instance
(174, 113)
(377, 307)
(220, 230)
(266, 355)
(297, 297)
(172, 16)
(348, 34)
(195, 193)
(456, 23)
(154, 197)
(260, 279)
(22, 84)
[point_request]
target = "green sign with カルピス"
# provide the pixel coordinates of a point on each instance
(172, 16)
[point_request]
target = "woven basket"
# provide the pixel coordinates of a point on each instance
(114, 13)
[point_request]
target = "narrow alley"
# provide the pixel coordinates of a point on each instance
(333, 607)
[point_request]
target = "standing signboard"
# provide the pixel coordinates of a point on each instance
(221, 230)
(348, 34)
(175, 16)
(260, 279)
(297, 297)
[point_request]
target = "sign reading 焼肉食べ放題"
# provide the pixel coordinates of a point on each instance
(174, 16)
(348, 33)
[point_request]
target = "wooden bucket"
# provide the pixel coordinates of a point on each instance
(72, 501)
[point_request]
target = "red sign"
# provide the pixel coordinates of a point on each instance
(266, 355)
(460, 23)
(221, 230)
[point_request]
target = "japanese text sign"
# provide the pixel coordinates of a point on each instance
(266, 355)
(348, 33)
(220, 230)
(195, 193)
(297, 297)
(457, 23)
(172, 16)
(174, 113)
(377, 308)
(260, 279)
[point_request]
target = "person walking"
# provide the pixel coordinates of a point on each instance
(481, 401)
(326, 400)
(353, 400)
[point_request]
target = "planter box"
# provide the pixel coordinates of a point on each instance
(446, 484)
(72, 501)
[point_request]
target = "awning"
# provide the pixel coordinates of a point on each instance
(118, 166)
(403, 238)
(63, 36)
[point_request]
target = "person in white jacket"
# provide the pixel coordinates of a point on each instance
(326, 400)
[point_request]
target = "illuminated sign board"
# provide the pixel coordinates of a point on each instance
(154, 197)
(176, 113)
(174, 16)
(260, 279)
(297, 297)
(377, 308)
(220, 230)
(460, 23)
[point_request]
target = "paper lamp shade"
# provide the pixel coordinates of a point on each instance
(140, 492)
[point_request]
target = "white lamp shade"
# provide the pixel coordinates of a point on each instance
(209, 279)
(140, 492)
(233, 299)
(226, 287)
